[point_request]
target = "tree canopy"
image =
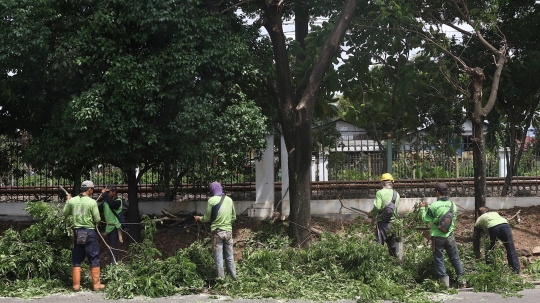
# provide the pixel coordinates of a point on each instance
(131, 84)
(168, 83)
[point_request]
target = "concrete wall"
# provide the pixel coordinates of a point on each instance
(320, 208)
(15, 211)
(333, 208)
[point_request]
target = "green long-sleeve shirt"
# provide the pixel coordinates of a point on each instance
(382, 198)
(84, 211)
(489, 219)
(435, 211)
(226, 215)
(483, 223)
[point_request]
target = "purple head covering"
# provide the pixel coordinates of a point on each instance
(216, 189)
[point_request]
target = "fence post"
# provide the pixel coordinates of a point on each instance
(502, 162)
(457, 165)
(369, 165)
(264, 183)
(323, 170)
(314, 169)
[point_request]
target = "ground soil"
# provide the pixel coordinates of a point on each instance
(172, 237)
(525, 231)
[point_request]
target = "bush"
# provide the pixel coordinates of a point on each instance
(345, 265)
(39, 254)
(149, 274)
(40, 251)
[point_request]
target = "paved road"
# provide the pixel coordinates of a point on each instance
(528, 296)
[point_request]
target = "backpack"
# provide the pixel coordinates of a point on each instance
(445, 221)
(388, 211)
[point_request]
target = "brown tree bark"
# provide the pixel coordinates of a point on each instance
(133, 207)
(296, 108)
(77, 184)
(477, 115)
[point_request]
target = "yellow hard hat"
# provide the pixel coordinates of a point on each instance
(387, 177)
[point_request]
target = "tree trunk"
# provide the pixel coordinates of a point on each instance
(509, 175)
(479, 165)
(133, 208)
(299, 167)
(296, 107)
(301, 26)
(77, 184)
(167, 180)
(516, 150)
(512, 148)
(477, 115)
(300, 187)
(477, 121)
(179, 174)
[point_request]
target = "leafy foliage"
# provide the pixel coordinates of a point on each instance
(149, 274)
(348, 264)
(38, 255)
(534, 268)
(496, 276)
(135, 85)
(390, 80)
(31, 288)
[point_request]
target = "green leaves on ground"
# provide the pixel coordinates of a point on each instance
(150, 275)
(346, 265)
(40, 251)
(36, 260)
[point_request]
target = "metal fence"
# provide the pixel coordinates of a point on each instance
(343, 168)
(413, 157)
(350, 166)
(22, 181)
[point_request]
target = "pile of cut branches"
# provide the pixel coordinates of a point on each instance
(345, 265)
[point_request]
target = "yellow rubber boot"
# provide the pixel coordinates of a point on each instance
(96, 278)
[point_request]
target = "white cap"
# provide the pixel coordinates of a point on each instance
(88, 184)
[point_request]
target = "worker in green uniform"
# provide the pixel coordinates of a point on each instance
(84, 212)
(497, 227)
(221, 214)
(386, 213)
(442, 241)
(112, 211)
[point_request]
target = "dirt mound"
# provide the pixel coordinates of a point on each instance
(169, 239)
(526, 232)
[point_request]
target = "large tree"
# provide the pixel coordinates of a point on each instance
(391, 85)
(39, 76)
(154, 82)
(24, 48)
(472, 20)
(296, 97)
(519, 93)
(519, 105)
